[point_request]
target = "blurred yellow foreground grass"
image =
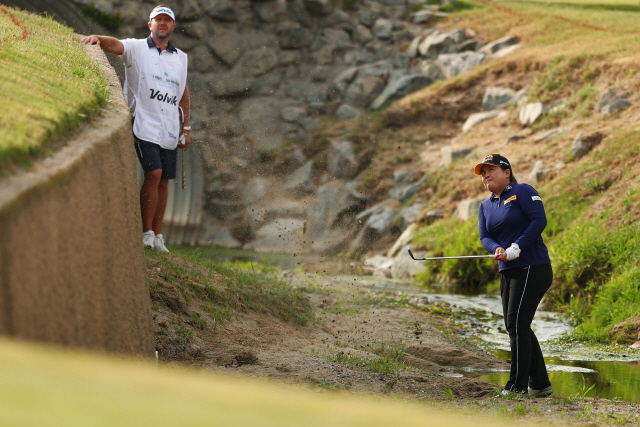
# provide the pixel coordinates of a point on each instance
(44, 386)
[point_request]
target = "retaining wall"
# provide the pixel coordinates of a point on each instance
(72, 263)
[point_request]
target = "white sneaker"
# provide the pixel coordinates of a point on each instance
(158, 244)
(147, 238)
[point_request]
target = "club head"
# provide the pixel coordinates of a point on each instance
(411, 254)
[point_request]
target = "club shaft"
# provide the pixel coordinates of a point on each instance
(455, 257)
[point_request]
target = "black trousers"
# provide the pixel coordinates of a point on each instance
(522, 289)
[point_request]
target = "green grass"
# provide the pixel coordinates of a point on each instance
(225, 289)
(49, 86)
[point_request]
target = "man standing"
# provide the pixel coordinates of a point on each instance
(156, 91)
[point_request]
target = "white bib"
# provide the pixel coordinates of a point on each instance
(155, 84)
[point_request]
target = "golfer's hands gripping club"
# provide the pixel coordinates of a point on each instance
(510, 254)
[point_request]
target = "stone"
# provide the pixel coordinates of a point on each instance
(499, 44)
(538, 173)
(429, 68)
(403, 178)
(497, 97)
(583, 144)
(359, 57)
(301, 180)
(201, 59)
(608, 96)
(367, 17)
(382, 28)
(458, 36)
(467, 209)
(219, 237)
(190, 11)
(319, 7)
(466, 46)
(341, 162)
(404, 192)
(477, 118)
(619, 104)
(339, 19)
(196, 29)
(283, 235)
(381, 69)
(514, 138)
(333, 209)
(404, 267)
(297, 157)
(362, 35)
(380, 264)
(347, 75)
(254, 190)
(547, 134)
(376, 226)
(459, 63)
(400, 88)
(403, 240)
(450, 155)
(434, 45)
(229, 84)
(267, 11)
(421, 17)
(296, 11)
(318, 108)
(292, 35)
(222, 10)
(293, 114)
(227, 45)
(408, 215)
(258, 62)
(505, 51)
(347, 112)
(433, 215)
(531, 112)
(412, 50)
(363, 90)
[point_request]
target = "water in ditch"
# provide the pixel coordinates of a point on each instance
(573, 368)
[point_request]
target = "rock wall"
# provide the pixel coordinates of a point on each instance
(73, 269)
(263, 74)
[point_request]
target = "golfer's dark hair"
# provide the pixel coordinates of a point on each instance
(160, 5)
(512, 178)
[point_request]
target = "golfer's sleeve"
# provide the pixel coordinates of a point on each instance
(485, 238)
(533, 209)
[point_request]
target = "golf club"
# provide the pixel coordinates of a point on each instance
(450, 257)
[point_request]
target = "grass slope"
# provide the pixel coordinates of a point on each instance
(48, 83)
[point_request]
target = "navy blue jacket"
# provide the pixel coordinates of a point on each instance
(517, 216)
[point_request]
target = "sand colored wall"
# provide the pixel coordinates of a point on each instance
(71, 255)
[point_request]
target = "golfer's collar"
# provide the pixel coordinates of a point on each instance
(507, 189)
(152, 44)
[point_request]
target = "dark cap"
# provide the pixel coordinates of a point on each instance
(492, 159)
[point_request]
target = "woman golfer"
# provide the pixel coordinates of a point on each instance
(510, 222)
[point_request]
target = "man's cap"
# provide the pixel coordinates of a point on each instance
(162, 11)
(492, 159)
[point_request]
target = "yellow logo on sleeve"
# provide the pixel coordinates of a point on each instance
(510, 199)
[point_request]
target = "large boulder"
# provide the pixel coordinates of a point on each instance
(429, 68)
(403, 192)
(292, 35)
(458, 63)
(498, 97)
(498, 45)
(254, 190)
(261, 120)
(341, 162)
(412, 50)
(611, 101)
(467, 209)
(222, 10)
(319, 7)
(258, 62)
(229, 84)
(538, 173)
(364, 90)
(450, 155)
(583, 144)
(400, 88)
(380, 264)
(377, 225)
(347, 112)
(404, 267)
(477, 118)
(408, 215)
(403, 240)
(530, 113)
(435, 44)
(301, 180)
(227, 45)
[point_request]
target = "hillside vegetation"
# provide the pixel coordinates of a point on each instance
(570, 54)
(49, 85)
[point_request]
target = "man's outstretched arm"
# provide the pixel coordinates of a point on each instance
(106, 43)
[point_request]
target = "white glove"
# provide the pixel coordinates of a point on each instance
(513, 252)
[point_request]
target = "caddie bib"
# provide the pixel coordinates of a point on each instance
(161, 81)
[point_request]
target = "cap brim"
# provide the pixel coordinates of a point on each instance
(478, 168)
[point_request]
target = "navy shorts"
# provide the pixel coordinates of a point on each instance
(153, 157)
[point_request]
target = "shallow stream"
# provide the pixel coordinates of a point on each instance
(573, 368)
